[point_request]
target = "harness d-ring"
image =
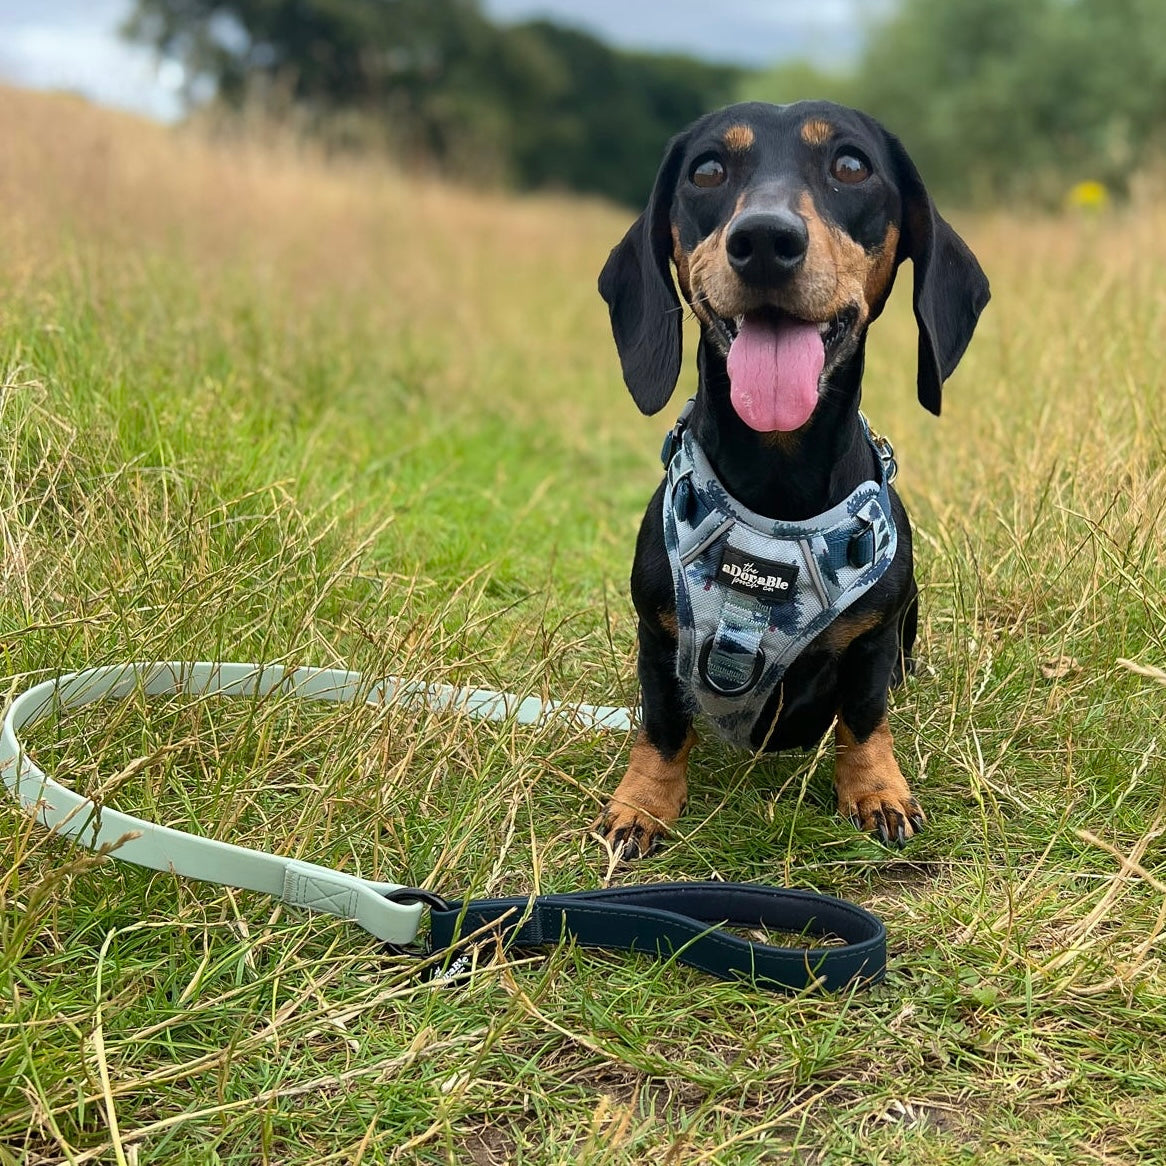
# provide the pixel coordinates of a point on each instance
(741, 689)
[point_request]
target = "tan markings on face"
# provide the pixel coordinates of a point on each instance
(680, 258)
(739, 138)
(833, 273)
(817, 132)
(649, 798)
(882, 268)
(836, 274)
(713, 283)
(869, 783)
(711, 279)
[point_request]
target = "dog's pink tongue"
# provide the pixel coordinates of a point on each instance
(774, 365)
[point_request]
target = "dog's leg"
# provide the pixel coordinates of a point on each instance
(652, 793)
(871, 789)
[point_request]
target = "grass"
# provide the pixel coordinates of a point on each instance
(257, 409)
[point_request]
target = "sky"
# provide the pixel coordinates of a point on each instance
(750, 32)
(74, 44)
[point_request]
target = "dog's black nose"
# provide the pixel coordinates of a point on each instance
(766, 247)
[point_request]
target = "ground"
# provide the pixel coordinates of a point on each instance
(255, 407)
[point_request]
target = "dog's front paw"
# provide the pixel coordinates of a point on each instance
(891, 813)
(872, 791)
(630, 833)
(648, 800)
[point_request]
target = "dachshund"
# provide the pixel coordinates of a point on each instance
(773, 577)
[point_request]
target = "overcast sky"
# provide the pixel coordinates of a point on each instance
(73, 44)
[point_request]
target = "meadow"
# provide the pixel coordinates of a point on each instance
(256, 407)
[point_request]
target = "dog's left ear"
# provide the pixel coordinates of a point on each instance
(950, 288)
(636, 282)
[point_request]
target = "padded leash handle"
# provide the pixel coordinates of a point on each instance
(684, 921)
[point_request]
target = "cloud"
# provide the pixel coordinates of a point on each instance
(74, 45)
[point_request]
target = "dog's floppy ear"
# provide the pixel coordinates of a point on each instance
(950, 288)
(636, 282)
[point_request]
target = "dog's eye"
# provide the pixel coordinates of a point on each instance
(850, 168)
(710, 172)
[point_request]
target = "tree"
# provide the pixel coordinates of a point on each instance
(537, 105)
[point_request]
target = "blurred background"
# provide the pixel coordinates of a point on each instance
(997, 99)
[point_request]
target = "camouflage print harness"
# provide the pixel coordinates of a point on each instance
(751, 593)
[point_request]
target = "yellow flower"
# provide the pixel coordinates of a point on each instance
(1087, 196)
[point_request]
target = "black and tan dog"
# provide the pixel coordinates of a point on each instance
(786, 225)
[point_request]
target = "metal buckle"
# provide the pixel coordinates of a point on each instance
(432, 900)
(886, 452)
(457, 969)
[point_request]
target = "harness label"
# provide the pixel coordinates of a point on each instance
(760, 578)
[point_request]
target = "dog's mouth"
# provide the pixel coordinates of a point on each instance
(776, 361)
(832, 331)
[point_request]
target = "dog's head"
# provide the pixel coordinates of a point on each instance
(786, 225)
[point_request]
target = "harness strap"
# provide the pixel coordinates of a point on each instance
(732, 658)
(683, 921)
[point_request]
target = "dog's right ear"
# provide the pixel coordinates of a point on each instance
(636, 281)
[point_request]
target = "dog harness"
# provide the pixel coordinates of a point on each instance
(751, 593)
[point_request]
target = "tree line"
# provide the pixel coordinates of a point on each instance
(1009, 100)
(996, 99)
(533, 105)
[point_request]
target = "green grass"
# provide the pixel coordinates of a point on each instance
(255, 410)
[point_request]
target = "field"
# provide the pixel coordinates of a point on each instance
(256, 408)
